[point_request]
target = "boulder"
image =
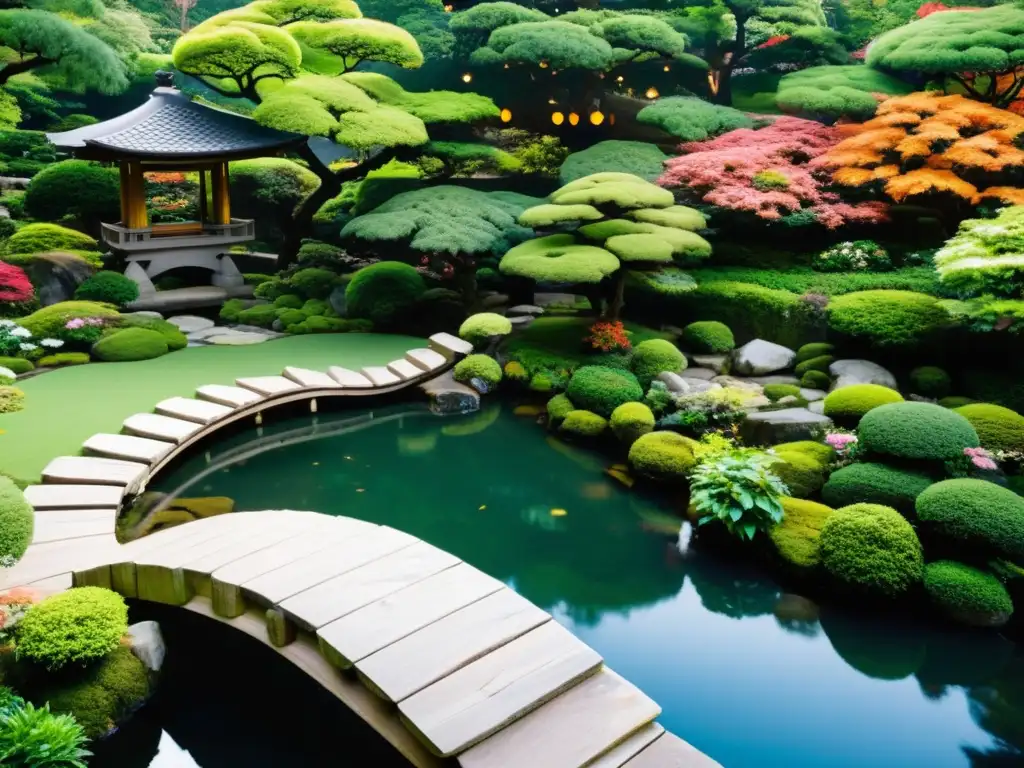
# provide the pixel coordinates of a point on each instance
(674, 382)
(337, 301)
(144, 313)
(818, 406)
(191, 323)
(521, 321)
(787, 425)
(759, 401)
(148, 644)
(810, 395)
(701, 373)
(717, 363)
(775, 379)
(494, 301)
(449, 396)
(524, 309)
(759, 357)
(56, 275)
(847, 372)
(738, 383)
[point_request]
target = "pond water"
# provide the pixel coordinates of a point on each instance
(747, 675)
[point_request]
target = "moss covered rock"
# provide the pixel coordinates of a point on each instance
(630, 421)
(813, 350)
(708, 337)
(875, 484)
(796, 537)
(601, 389)
(819, 363)
(776, 392)
(16, 521)
(916, 431)
(815, 380)
(480, 367)
(847, 405)
(583, 424)
(998, 428)
(130, 344)
(967, 595)
(802, 473)
(662, 456)
(384, 292)
(656, 356)
(975, 514)
(480, 328)
(930, 381)
(559, 407)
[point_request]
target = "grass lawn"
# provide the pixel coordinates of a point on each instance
(64, 408)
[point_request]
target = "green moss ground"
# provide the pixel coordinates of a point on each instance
(64, 408)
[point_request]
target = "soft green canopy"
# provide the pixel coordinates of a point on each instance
(640, 248)
(548, 213)
(559, 259)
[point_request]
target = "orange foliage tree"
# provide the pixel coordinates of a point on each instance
(927, 144)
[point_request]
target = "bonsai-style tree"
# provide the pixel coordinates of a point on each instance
(295, 59)
(615, 222)
(447, 229)
(982, 51)
(832, 92)
(766, 173)
(426, 20)
(947, 148)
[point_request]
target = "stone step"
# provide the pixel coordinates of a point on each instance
(404, 369)
(380, 376)
(426, 359)
(127, 447)
(268, 385)
(348, 378)
(234, 397)
(309, 378)
(190, 409)
(92, 470)
(159, 427)
(452, 347)
(61, 496)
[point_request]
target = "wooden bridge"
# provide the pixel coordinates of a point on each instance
(445, 662)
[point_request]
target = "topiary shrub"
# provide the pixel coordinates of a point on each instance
(480, 328)
(16, 365)
(602, 390)
(262, 315)
(919, 431)
(313, 282)
(871, 549)
(875, 484)
(130, 344)
(630, 421)
(778, 391)
(583, 424)
(707, 337)
(79, 626)
(998, 428)
(663, 456)
(803, 474)
(172, 334)
(887, 318)
(967, 595)
(480, 367)
(109, 287)
(40, 238)
(288, 301)
(796, 536)
(930, 381)
(955, 401)
(975, 513)
(559, 407)
(49, 321)
(77, 189)
(815, 380)
(847, 405)
(12, 399)
(812, 350)
(16, 521)
(656, 356)
(820, 363)
(382, 292)
(63, 358)
(820, 452)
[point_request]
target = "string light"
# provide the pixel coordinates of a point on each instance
(543, 65)
(467, 78)
(667, 68)
(651, 93)
(596, 117)
(552, 101)
(506, 115)
(619, 79)
(557, 118)
(574, 119)
(448, 8)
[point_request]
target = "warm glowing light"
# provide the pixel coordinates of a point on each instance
(651, 93)
(448, 8)
(574, 119)
(667, 68)
(543, 65)
(552, 101)
(467, 78)
(506, 66)
(506, 115)
(557, 118)
(611, 119)
(596, 117)
(619, 79)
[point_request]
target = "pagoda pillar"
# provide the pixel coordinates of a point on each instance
(221, 197)
(133, 196)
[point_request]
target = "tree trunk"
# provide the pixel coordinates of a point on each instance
(618, 299)
(465, 279)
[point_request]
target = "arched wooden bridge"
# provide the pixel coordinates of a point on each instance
(447, 663)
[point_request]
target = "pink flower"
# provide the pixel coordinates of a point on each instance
(95, 321)
(838, 440)
(980, 458)
(77, 322)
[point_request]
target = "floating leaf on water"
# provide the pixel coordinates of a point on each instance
(529, 410)
(558, 512)
(482, 507)
(620, 473)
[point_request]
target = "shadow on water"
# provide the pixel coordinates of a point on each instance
(746, 672)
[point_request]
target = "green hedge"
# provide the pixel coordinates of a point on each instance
(875, 484)
(76, 627)
(601, 390)
(847, 405)
(966, 594)
(998, 428)
(16, 520)
(172, 334)
(887, 318)
(707, 337)
(930, 381)
(74, 188)
(916, 431)
(64, 358)
(975, 513)
(800, 279)
(18, 365)
(40, 238)
(129, 345)
(108, 287)
(662, 456)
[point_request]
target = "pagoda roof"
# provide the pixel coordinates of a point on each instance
(170, 126)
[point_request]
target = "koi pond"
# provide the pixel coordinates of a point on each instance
(749, 674)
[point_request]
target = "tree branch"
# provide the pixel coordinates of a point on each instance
(25, 65)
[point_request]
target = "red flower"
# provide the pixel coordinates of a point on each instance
(775, 40)
(14, 284)
(608, 337)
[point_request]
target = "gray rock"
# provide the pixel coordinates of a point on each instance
(921, 399)
(717, 363)
(818, 406)
(847, 372)
(337, 301)
(449, 396)
(255, 329)
(207, 332)
(480, 385)
(7, 373)
(236, 339)
(144, 313)
(700, 385)
(787, 400)
(524, 309)
(772, 427)
(191, 323)
(700, 373)
(521, 321)
(545, 299)
(738, 383)
(674, 382)
(810, 395)
(758, 357)
(494, 301)
(134, 271)
(148, 644)
(775, 379)
(57, 275)
(276, 326)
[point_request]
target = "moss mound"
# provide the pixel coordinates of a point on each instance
(49, 320)
(813, 350)
(601, 389)
(480, 367)
(79, 626)
(383, 292)
(129, 345)
(663, 456)
(708, 337)
(848, 404)
(967, 595)
(820, 364)
(875, 484)
(656, 356)
(479, 328)
(818, 451)
(871, 549)
(815, 380)
(559, 407)
(930, 381)
(803, 474)
(631, 421)
(18, 365)
(998, 428)
(16, 520)
(776, 392)
(887, 318)
(583, 424)
(796, 537)
(975, 513)
(917, 431)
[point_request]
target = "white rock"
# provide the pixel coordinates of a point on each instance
(7, 372)
(700, 373)
(674, 382)
(700, 385)
(524, 309)
(191, 323)
(759, 357)
(236, 339)
(810, 395)
(818, 406)
(93, 470)
(847, 372)
(148, 644)
(787, 425)
(717, 363)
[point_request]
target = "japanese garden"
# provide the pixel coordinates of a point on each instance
(555, 383)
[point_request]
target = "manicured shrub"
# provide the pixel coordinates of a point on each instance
(172, 334)
(583, 424)
(967, 595)
(602, 390)
(480, 328)
(129, 345)
(74, 188)
(656, 356)
(382, 292)
(887, 318)
(12, 399)
(313, 282)
(975, 513)
(778, 391)
(49, 321)
(921, 431)
(871, 549)
(630, 421)
(288, 301)
(955, 401)
(63, 358)
(707, 337)
(516, 372)
(754, 312)
(16, 364)
(820, 452)
(815, 380)
(930, 381)
(559, 407)
(261, 315)
(40, 238)
(663, 456)
(998, 428)
(819, 363)
(317, 307)
(875, 484)
(480, 367)
(109, 287)
(803, 474)
(796, 537)
(16, 521)
(847, 405)
(812, 350)
(79, 626)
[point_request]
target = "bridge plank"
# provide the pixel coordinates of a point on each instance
(669, 751)
(268, 385)
(42, 561)
(404, 369)
(234, 397)
(127, 447)
(449, 346)
(437, 650)
(157, 427)
(631, 747)
(67, 496)
(92, 470)
(361, 586)
(310, 378)
(380, 375)
(348, 378)
(190, 409)
(574, 728)
(61, 524)
(349, 553)
(241, 547)
(426, 359)
(379, 624)
(476, 701)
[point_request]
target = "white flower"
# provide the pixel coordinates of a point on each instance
(52, 343)
(21, 333)
(7, 323)
(27, 347)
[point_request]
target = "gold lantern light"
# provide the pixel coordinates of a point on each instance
(557, 118)
(574, 119)
(506, 115)
(596, 117)
(651, 93)
(467, 77)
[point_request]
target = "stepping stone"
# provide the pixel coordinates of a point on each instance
(348, 378)
(235, 397)
(707, 374)
(520, 321)
(91, 470)
(380, 376)
(450, 346)
(190, 409)
(160, 427)
(787, 425)
(61, 496)
(404, 369)
(524, 309)
(127, 447)
(190, 323)
(237, 339)
(426, 359)
(309, 378)
(61, 524)
(268, 385)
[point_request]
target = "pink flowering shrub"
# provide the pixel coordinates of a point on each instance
(765, 172)
(980, 458)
